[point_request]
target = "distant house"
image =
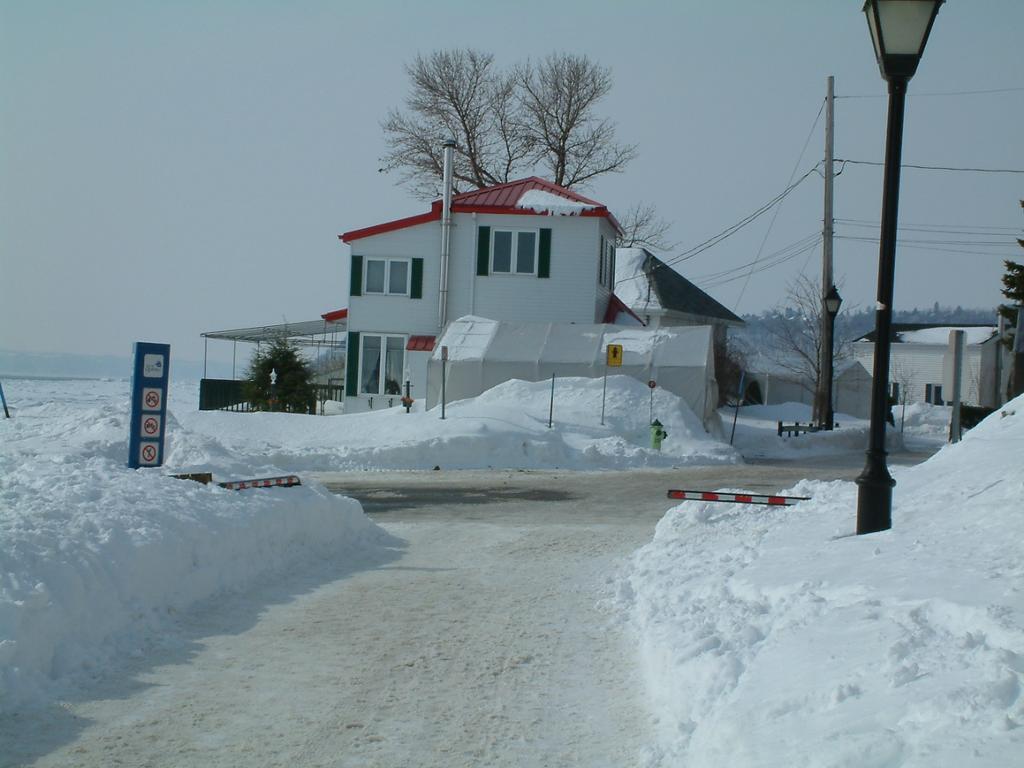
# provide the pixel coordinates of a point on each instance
(528, 250)
(772, 384)
(921, 362)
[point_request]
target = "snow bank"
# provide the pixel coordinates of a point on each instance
(505, 427)
(95, 556)
(757, 435)
(776, 637)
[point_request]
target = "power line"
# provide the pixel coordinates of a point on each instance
(731, 230)
(944, 229)
(935, 249)
(775, 215)
(787, 253)
(935, 167)
(932, 93)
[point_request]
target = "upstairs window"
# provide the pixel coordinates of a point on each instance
(514, 252)
(389, 277)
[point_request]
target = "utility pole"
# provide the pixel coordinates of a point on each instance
(824, 390)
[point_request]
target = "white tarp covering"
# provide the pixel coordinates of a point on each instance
(483, 353)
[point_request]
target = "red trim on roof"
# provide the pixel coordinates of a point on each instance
(499, 199)
(421, 343)
(615, 306)
(389, 226)
(338, 314)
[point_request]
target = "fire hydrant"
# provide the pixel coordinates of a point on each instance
(658, 434)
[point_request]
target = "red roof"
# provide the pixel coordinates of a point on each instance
(507, 195)
(338, 314)
(421, 343)
(498, 199)
(615, 307)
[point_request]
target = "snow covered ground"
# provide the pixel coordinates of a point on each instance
(766, 637)
(924, 428)
(505, 427)
(95, 556)
(774, 636)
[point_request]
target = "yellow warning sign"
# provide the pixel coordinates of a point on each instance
(614, 355)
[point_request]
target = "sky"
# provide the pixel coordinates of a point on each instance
(173, 168)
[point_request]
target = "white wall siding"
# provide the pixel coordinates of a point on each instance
(915, 366)
(400, 314)
(568, 296)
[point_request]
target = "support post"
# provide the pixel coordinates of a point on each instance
(604, 392)
(875, 484)
(551, 406)
(823, 400)
(956, 344)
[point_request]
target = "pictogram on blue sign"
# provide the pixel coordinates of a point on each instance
(150, 376)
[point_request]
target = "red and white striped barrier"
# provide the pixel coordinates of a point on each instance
(287, 481)
(737, 498)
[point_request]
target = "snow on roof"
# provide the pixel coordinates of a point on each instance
(542, 201)
(631, 282)
(974, 335)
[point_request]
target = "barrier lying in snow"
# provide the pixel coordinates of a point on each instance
(287, 481)
(737, 498)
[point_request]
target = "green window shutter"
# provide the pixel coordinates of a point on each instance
(352, 364)
(483, 250)
(416, 289)
(544, 259)
(356, 284)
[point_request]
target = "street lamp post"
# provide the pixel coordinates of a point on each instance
(832, 302)
(899, 31)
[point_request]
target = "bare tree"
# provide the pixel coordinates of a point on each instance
(796, 334)
(643, 228)
(559, 95)
(457, 95)
(905, 376)
(503, 122)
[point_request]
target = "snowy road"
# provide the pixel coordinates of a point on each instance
(482, 642)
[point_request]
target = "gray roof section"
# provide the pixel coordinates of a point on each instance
(677, 293)
(305, 333)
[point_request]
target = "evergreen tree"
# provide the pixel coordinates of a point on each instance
(293, 391)
(1013, 289)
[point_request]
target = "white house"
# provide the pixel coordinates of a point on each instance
(527, 250)
(920, 363)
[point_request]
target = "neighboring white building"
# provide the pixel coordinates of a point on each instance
(921, 361)
(485, 353)
(662, 297)
(772, 385)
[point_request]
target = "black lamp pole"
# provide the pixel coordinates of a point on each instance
(874, 498)
(899, 31)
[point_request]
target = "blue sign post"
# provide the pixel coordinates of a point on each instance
(149, 404)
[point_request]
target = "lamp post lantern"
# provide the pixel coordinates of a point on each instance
(832, 302)
(899, 31)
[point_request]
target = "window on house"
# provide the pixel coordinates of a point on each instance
(381, 364)
(611, 265)
(387, 276)
(514, 252)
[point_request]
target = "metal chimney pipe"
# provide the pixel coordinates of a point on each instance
(446, 232)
